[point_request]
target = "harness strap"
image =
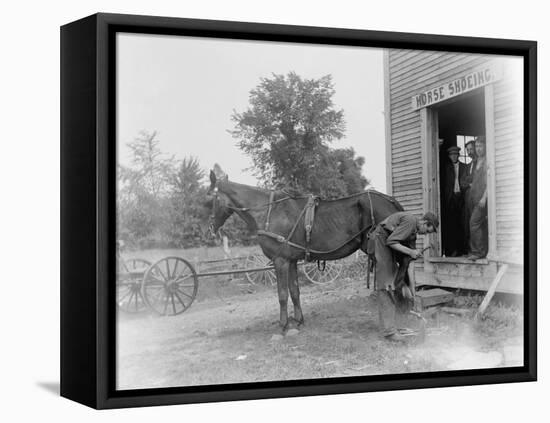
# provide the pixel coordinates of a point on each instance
(308, 221)
(371, 209)
(282, 239)
(302, 213)
(371, 261)
(269, 210)
(263, 206)
(368, 271)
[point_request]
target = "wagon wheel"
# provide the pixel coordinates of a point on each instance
(266, 277)
(170, 286)
(128, 287)
(316, 276)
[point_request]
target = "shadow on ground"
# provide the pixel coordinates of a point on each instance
(51, 387)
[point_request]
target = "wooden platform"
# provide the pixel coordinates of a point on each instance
(456, 272)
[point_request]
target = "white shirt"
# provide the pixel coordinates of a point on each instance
(457, 185)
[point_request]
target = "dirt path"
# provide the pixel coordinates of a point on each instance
(227, 336)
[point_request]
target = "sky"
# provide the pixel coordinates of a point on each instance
(186, 89)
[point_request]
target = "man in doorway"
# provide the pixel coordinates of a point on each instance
(452, 212)
(465, 185)
(478, 198)
(395, 236)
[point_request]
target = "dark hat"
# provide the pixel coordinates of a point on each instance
(431, 219)
(453, 149)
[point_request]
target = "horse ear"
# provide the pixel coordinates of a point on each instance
(212, 177)
(218, 170)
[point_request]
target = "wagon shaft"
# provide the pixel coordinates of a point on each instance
(235, 271)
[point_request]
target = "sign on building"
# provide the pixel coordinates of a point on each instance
(456, 87)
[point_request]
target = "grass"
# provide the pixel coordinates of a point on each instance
(501, 318)
(340, 338)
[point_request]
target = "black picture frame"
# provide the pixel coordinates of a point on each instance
(88, 178)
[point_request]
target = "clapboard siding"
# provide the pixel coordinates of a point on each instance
(405, 129)
(422, 83)
(404, 120)
(444, 71)
(406, 147)
(509, 163)
(413, 71)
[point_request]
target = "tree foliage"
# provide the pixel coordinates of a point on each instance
(186, 204)
(142, 188)
(149, 171)
(161, 201)
(287, 132)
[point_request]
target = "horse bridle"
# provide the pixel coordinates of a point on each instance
(268, 205)
(212, 217)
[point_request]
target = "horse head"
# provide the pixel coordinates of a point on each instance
(219, 205)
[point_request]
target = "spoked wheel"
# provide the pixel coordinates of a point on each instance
(170, 285)
(330, 273)
(266, 277)
(128, 289)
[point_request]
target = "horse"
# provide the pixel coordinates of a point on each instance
(293, 227)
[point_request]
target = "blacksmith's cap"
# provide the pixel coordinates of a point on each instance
(454, 149)
(432, 219)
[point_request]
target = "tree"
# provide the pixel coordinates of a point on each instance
(349, 167)
(143, 190)
(288, 128)
(287, 131)
(187, 198)
(149, 172)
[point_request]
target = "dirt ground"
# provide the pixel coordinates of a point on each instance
(231, 335)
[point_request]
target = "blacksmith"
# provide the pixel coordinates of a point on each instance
(393, 237)
(452, 213)
(465, 185)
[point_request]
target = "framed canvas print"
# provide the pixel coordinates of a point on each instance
(256, 211)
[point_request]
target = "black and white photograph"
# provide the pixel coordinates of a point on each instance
(254, 211)
(292, 211)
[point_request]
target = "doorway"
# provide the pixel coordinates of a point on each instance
(457, 123)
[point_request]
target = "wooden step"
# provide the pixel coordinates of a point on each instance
(431, 297)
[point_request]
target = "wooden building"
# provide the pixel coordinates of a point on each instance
(434, 100)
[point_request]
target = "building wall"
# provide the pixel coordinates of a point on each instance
(410, 72)
(509, 181)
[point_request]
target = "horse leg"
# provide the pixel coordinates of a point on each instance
(295, 291)
(281, 270)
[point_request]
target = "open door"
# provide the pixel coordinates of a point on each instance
(450, 124)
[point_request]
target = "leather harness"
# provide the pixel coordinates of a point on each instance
(308, 213)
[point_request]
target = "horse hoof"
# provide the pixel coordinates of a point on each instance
(297, 322)
(292, 332)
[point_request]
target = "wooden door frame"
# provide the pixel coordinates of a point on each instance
(429, 129)
(431, 198)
